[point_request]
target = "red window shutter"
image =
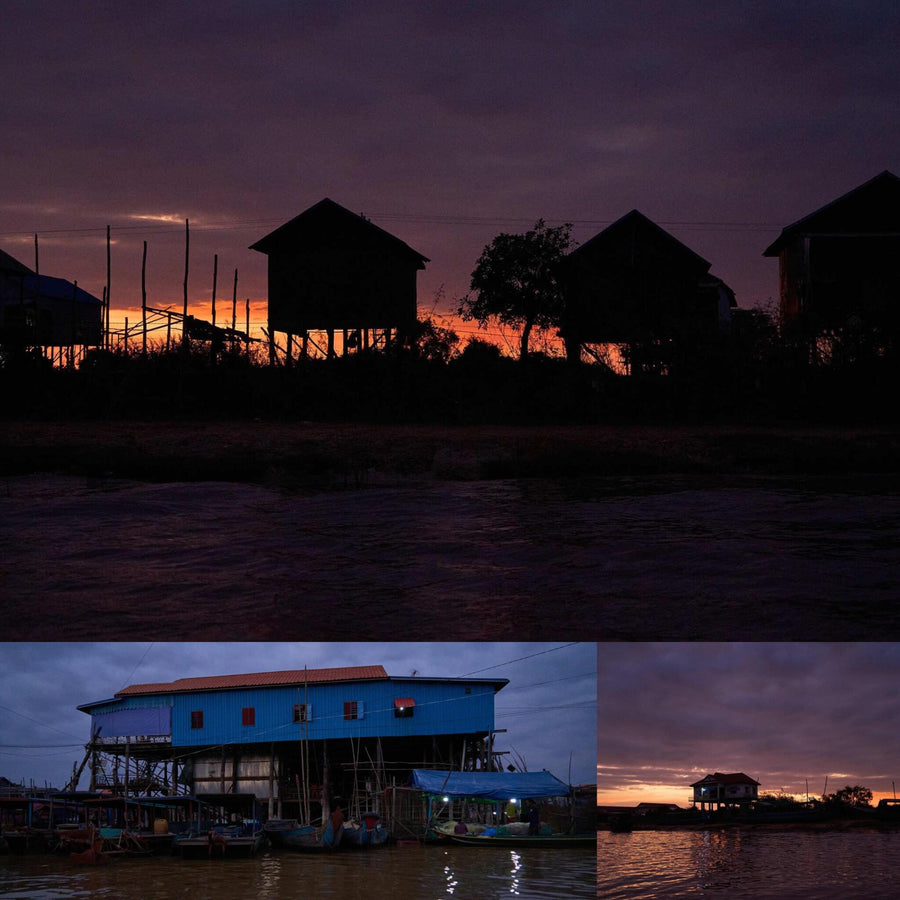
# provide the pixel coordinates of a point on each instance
(248, 715)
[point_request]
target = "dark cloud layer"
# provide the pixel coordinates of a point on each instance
(782, 713)
(242, 115)
(548, 707)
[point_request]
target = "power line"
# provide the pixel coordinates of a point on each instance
(495, 221)
(519, 659)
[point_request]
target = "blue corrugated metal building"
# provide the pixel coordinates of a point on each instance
(342, 730)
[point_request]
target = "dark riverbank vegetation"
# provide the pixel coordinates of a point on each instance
(748, 375)
(849, 808)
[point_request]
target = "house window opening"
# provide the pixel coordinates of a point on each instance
(197, 718)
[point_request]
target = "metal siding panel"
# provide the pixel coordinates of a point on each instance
(441, 708)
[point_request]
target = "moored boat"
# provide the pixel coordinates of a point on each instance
(228, 841)
(485, 839)
(367, 832)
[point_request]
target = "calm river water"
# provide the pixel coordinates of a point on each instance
(400, 873)
(743, 864)
(609, 559)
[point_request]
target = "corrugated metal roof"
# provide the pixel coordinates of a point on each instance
(726, 778)
(257, 679)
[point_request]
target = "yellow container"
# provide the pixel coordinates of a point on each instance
(160, 826)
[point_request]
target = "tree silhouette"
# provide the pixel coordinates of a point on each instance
(514, 281)
(854, 796)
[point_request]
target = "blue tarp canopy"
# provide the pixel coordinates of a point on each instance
(490, 785)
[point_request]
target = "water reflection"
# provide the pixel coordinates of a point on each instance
(740, 864)
(516, 866)
(451, 880)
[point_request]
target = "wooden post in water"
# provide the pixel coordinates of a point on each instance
(271, 779)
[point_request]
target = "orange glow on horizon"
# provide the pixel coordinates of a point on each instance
(680, 795)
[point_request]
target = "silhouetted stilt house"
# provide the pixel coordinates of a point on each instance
(723, 789)
(635, 284)
(838, 273)
(298, 740)
(46, 313)
(331, 270)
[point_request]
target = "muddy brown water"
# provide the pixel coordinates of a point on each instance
(418, 873)
(598, 558)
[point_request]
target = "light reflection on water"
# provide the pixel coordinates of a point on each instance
(397, 873)
(739, 864)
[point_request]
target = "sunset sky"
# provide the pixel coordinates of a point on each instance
(445, 123)
(547, 709)
(670, 713)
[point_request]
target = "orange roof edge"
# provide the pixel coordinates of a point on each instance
(257, 679)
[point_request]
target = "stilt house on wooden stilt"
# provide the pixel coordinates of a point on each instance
(839, 278)
(333, 271)
(39, 312)
(300, 741)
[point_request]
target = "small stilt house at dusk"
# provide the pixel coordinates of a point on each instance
(725, 790)
(637, 285)
(300, 740)
(39, 311)
(838, 272)
(335, 272)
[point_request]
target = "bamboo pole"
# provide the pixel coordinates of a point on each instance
(187, 257)
(215, 277)
(248, 322)
(108, 282)
(72, 331)
(234, 303)
(144, 299)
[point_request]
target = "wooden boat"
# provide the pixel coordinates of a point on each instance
(289, 833)
(93, 856)
(365, 833)
(229, 841)
(512, 835)
(526, 840)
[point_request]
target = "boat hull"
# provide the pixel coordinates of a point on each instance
(526, 840)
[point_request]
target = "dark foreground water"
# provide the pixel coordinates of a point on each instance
(613, 558)
(742, 864)
(396, 873)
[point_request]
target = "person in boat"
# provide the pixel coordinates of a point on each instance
(512, 812)
(461, 828)
(534, 818)
(337, 819)
(214, 839)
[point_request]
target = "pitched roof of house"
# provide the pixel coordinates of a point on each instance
(257, 679)
(726, 778)
(874, 206)
(325, 216)
(640, 228)
(11, 264)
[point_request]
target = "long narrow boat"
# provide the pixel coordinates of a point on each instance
(226, 842)
(289, 833)
(526, 840)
